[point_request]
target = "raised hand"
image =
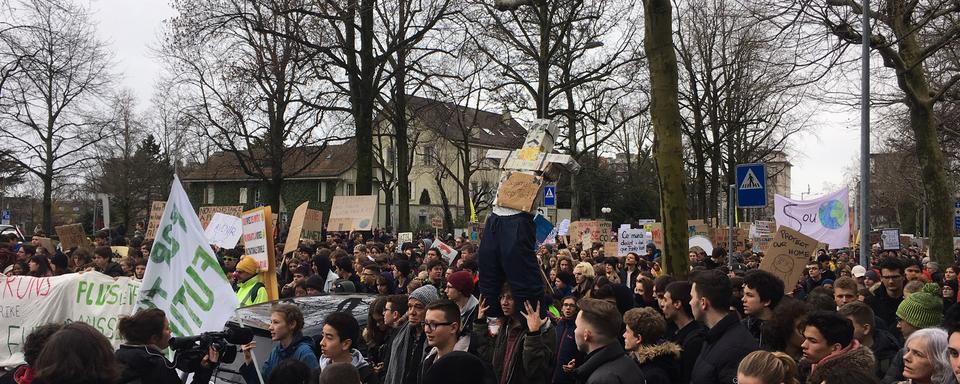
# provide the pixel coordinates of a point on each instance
(534, 321)
(482, 308)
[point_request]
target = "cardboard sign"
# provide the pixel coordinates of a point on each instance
(631, 240)
(353, 213)
(224, 231)
(610, 249)
(890, 239)
(296, 227)
(518, 191)
(156, 212)
(788, 255)
(313, 221)
(72, 236)
(46, 243)
(120, 251)
(206, 213)
(656, 234)
(436, 222)
(598, 231)
(740, 237)
(258, 243)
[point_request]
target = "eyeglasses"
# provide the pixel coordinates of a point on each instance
(433, 326)
(570, 305)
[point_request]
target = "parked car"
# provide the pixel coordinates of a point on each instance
(315, 310)
(6, 229)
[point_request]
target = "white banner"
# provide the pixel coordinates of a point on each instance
(825, 219)
(447, 252)
(183, 276)
(255, 237)
(29, 302)
(224, 230)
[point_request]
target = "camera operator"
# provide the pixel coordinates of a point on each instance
(147, 334)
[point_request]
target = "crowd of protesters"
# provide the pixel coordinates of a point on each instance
(601, 318)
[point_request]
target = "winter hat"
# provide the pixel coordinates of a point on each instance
(567, 278)
(871, 274)
(922, 309)
(344, 286)
(426, 294)
(827, 282)
(316, 282)
(461, 281)
(858, 271)
(247, 264)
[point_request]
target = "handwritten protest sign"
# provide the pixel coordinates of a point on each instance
(224, 231)
(610, 249)
(788, 255)
(446, 251)
(740, 237)
(564, 228)
(255, 236)
(656, 234)
(518, 191)
(598, 231)
(156, 212)
(312, 225)
(890, 239)
(120, 251)
(29, 302)
(353, 213)
(630, 240)
(206, 213)
(72, 236)
(46, 243)
(405, 237)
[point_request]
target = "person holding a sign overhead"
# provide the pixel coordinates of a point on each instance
(250, 290)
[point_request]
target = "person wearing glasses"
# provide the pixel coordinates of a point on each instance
(409, 343)
(888, 296)
(566, 342)
(340, 331)
(442, 326)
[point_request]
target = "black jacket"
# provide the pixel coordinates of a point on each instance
(113, 270)
(885, 308)
(609, 365)
(660, 363)
(146, 365)
(532, 355)
(885, 349)
(726, 344)
(690, 339)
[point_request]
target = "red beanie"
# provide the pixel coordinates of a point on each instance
(461, 281)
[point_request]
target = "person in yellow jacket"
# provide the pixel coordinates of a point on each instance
(250, 290)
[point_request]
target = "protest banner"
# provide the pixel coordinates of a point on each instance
(544, 229)
(824, 219)
(740, 237)
(156, 211)
(296, 227)
(352, 213)
(312, 225)
(788, 255)
(224, 231)
(598, 230)
(258, 227)
(121, 251)
(564, 228)
(206, 213)
(702, 243)
(405, 237)
(761, 234)
(91, 297)
(630, 240)
(183, 277)
(72, 236)
(446, 251)
(656, 234)
(890, 239)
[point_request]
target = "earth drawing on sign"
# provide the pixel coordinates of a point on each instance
(832, 214)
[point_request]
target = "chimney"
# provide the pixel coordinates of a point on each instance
(505, 116)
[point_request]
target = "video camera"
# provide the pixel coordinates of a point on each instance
(190, 350)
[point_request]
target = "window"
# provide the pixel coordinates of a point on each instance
(243, 195)
(209, 193)
(350, 189)
(429, 155)
(391, 157)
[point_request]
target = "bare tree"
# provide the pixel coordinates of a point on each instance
(253, 89)
(63, 72)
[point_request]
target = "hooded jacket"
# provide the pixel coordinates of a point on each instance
(532, 355)
(367, 376)
(660, 363)
(144, 364)
(726, 344)
(858, 357)
(468, 315)
(301, 348)
(566, 350)
(609, 365)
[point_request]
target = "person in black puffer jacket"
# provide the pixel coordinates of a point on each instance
(660, 363)
(148, 333)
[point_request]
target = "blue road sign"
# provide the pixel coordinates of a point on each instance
(5, 217)
(550, 196)
(751, 186)
(956, 216)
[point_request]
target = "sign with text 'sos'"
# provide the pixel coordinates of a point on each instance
(787, 255)
(352, 213)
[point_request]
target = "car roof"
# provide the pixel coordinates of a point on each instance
(315, 309)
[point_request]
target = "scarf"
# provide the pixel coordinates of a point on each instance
(398, 355)
(853, 345)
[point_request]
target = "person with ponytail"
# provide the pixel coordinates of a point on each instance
(142, 359)
(762, 367)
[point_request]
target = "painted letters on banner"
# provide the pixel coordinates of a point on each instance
(183, 275)
(825, 219)
(352, 213)
(29, 302)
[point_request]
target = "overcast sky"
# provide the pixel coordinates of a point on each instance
(132, 28)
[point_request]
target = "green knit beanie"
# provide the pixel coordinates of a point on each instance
(923, 309)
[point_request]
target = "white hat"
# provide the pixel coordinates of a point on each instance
(858, 271)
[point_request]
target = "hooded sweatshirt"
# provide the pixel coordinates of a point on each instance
(367, 376)
(301, 348)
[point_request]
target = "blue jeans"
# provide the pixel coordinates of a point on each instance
(507, 253)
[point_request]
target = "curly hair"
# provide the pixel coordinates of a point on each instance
(778, 330)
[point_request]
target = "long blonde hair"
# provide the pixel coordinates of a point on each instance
(771, 367)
